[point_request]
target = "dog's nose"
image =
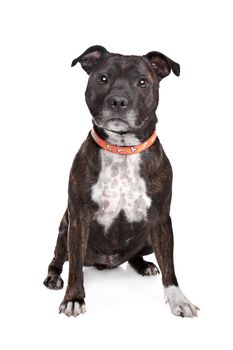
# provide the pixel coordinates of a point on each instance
(118, 102)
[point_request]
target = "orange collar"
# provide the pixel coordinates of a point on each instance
(123, 149)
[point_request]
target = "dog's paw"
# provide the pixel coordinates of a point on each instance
(54, 282)
(179, 304)
(151, 270)
(72, 307)
(143, 267)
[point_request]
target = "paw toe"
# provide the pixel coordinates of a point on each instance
(69, 309)
(178, 311)
(62, 308)
(187, 311)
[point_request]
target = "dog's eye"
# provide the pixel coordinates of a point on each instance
(143, 82)
(103, 79)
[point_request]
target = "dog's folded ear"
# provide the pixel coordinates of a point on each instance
(162, 65)
(90, 57)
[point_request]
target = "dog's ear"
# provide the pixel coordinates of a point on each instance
(90, 58)
(162, 65)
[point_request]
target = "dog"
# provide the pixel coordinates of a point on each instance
(120, 183)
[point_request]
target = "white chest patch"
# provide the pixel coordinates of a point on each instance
(120, 187)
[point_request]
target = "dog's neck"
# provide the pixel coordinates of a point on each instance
(129, 138)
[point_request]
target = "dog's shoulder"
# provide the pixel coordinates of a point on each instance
(86, 165)
(157, 169)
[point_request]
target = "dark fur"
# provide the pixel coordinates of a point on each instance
(81, 239)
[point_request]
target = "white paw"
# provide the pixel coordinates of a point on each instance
(72, 308)
(179, 304)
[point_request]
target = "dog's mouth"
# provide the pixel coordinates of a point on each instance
(113, 124)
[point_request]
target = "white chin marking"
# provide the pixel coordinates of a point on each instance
(117, 125)
(179, 304)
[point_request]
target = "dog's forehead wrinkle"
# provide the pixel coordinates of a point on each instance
(123, 64)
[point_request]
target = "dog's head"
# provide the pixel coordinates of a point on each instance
(122, 91)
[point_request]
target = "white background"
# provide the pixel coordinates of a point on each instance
(44, 120)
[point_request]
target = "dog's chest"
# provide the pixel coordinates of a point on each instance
(120, 187)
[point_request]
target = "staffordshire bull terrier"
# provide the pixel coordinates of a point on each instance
(120, 183)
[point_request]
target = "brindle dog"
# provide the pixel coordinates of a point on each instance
(118, 205)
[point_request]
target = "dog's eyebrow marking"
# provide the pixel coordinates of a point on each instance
(139, 73)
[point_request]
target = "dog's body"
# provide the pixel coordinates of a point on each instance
(118, 206)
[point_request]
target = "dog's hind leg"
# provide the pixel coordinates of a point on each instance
(144, 268)
(53, 280)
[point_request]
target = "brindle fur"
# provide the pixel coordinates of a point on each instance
(81, 239)
(155, 235)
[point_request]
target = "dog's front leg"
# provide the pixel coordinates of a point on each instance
(73, 302)
(162, 241)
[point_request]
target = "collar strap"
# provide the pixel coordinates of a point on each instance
(123, 149)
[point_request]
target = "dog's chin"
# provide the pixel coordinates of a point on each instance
(115, 125)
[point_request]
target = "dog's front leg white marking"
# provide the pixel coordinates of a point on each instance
(179, 304)
(72, 308)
